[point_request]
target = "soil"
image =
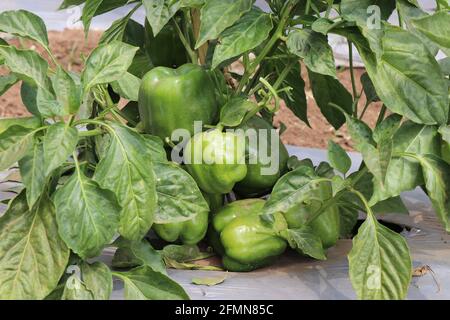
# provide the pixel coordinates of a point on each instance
(70, 48)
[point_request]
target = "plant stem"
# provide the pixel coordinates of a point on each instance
(192, 54)
(330, 6)
(90, 133)
(273, 40)
(364, 110)
(203, 50)
(381, 115)
(308, 7)
(352, 71)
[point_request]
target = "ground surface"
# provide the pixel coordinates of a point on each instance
(70, 47)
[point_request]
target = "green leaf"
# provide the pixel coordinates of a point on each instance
(314, 49)
(155, 146)
(98, 280)
(6, 82)
(134, 254)
(380, 262)
(27, 65)
(60, 141)
(209, 281)
(67, 93)
(179, 198)
(409, 12)
(145, 284)
(127, 170)
(89, 9)
(25, 122)
(107, 63)
(117, 30)
(436, 174)
(69, 3)
(249, 32)
(87, 215)
(14, 145)
(127, 87)
(217, 15)
(445, 133)
(236, 110)
(435, 27)
(357, 10)
(24, 24)
(75, 289)
(28, 94)
(369, 89)
(306, 241)
(348, 219)
(326, 90)
(295, 99)
(445, 65)
(405, 174)
(291, 189)
(32, 171)
(159, 13)
(338, 158)
(407, 77)
(32, 255)
(184, 253)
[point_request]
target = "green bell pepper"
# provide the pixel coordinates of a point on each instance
(326, 226)
(189, 232)
(255, 182)
(239, 235)
(166, 49)
(171, 99)
(215, 159)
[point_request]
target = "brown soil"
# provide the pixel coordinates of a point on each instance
(70, 47)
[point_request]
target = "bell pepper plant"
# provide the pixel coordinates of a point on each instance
(92, 175)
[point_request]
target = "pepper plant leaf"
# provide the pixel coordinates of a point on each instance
(409, 12)
(60, 142)
(306, 241)
(236, 110)
(145, 284)
(179, 198)
(87, 215)
(326, 90)
(291, 189)
(107, 63)
(75, 289)
(14, 145)
(249, 32)
(89, 9)
(407, 77)
(380, 263)
(33, 173)
(24, 24)
(159, 12)
(436, 174)
(127, 170)
(314, 49)
(405, 174)
(98, 279)
(131, 254)
(338, 158)
(33, 257)
(6, 82)
(218, 15)
(436, 28)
